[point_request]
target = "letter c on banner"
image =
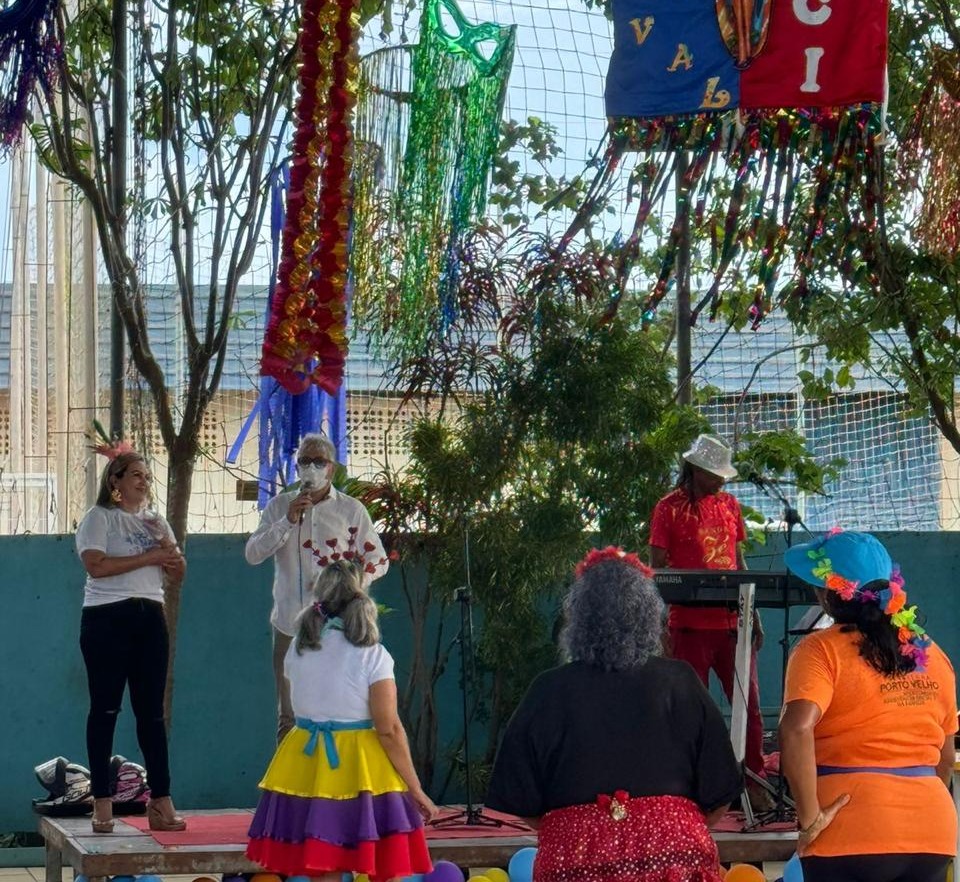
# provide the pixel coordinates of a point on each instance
(806, 15)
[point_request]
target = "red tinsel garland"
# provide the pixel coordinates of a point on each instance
(306, 341)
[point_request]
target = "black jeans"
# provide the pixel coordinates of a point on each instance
(126, 642)
(876, 868)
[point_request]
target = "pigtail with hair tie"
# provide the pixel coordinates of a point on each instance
(321, 609)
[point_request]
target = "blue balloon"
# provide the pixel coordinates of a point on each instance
(123, 879)
(793, 870)
(416, 877)
(149, 879)
(302, 878)
(80, 878)
(346, 877)
(521, 865)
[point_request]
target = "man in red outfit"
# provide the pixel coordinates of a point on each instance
(695, 527)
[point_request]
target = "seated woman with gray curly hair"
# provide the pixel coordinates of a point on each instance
(619, 756)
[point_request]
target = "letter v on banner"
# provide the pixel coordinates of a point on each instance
(641, 29)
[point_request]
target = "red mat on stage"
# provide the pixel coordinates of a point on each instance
(231, 829)
(734, 822)
(227, 829)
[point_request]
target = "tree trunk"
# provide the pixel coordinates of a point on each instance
(179, 484)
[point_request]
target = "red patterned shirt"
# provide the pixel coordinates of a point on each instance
(699, 535)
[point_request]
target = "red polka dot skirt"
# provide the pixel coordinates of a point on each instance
(618, 839)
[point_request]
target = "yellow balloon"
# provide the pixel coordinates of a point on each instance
(744, 873)
(496, 874)
(360, 877)
(480, 878)
(950, 873)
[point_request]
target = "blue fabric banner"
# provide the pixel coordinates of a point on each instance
(669, 58)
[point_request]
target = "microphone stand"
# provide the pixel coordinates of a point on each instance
(784, 808)
(472, 814)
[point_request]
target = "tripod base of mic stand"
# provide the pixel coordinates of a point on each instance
(473, 816)
(783, 811)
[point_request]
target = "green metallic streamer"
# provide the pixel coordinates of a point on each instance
(428, 127)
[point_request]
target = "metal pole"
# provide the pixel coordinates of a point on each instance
(40, 451)
(65, 380)
(119, 195)
(684, 384)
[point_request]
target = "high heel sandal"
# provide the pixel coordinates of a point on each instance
(161, 822)
(102, 825)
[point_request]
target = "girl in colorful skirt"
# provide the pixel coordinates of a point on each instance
(341, 794)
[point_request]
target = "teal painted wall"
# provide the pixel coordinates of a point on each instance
(223, 720)
(223, 716)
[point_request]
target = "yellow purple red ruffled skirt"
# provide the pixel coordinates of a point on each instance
(357, 818)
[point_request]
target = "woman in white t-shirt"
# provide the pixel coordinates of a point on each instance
(341, 794)
(123, 633)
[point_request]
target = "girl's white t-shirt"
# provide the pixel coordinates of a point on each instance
(119, 533)
(333, 682)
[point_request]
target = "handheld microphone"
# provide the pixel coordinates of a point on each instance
(306, 486)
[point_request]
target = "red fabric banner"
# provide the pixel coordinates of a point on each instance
(819, 53)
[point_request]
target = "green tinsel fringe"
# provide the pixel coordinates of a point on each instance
(743, 174)
(427, 130)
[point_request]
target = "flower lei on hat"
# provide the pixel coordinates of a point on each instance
(913, 639)
(332, 552)
(611, 552)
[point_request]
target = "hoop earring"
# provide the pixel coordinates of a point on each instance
(116, 495)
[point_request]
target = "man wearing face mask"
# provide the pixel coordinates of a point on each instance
(319, 512)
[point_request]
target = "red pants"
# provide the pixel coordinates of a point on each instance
(706, 649)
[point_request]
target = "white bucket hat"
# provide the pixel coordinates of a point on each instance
(711, 454)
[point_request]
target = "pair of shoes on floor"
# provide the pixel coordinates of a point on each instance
(761, 800)
(162, 817)
(102, 815)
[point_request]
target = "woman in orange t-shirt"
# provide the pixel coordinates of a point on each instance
(867, 729)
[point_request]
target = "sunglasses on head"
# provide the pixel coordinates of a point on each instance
(313, 460)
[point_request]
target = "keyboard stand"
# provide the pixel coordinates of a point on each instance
(741, 694)
(741, 685)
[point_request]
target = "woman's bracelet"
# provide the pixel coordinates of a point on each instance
(811, 825)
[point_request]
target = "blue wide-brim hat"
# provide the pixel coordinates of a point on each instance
(858, 557)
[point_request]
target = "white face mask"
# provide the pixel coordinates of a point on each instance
(313, 475)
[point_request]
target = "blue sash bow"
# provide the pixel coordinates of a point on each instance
(327, 728)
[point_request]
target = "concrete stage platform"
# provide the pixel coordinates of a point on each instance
(133, 851)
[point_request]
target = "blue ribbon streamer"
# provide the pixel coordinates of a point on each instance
(284, 418)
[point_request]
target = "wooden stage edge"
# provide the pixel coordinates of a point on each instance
(129, 852)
